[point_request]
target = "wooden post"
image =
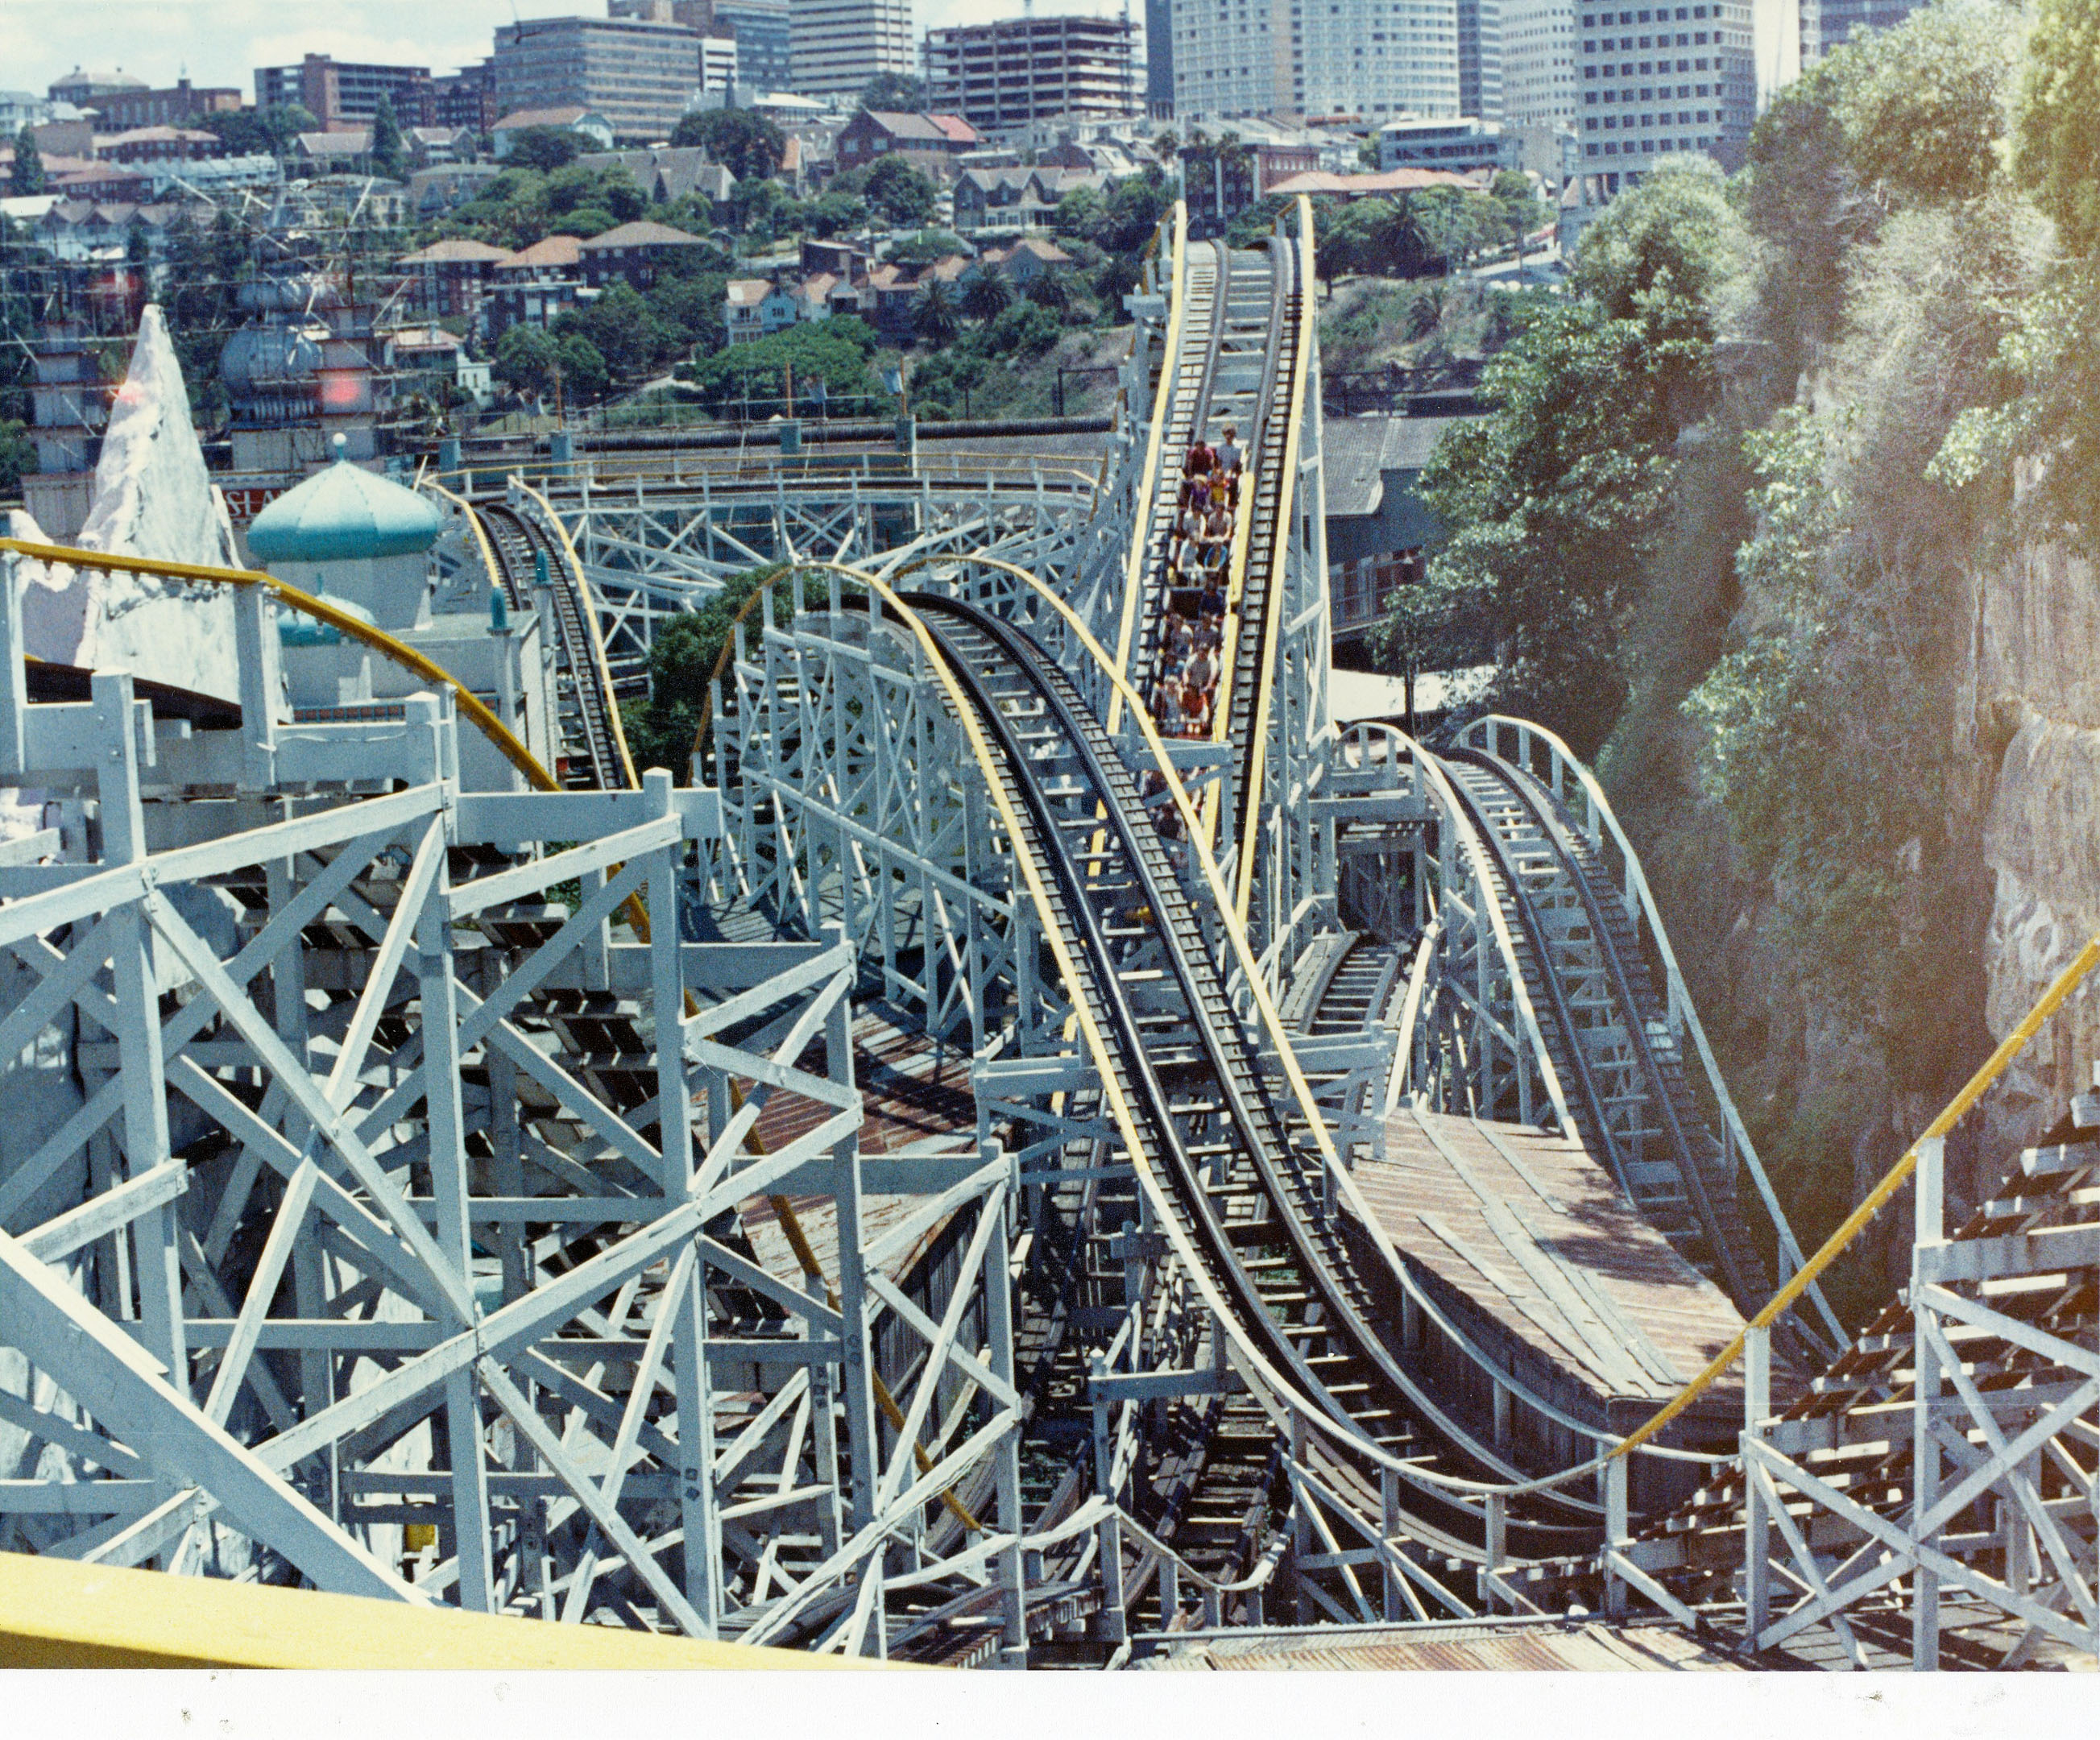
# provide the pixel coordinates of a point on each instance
(1615, 1535)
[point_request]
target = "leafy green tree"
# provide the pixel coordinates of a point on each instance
(1364, 236)
(1449, 223)
(525, 360)
(585, 376)
(1116, 278)
(28, 179)
(1051, 289)
(18, 458)
(1800, 199)
(937, 319)
(1253, 227)
(835, 213)
(929, 245)
(1023, 330)
(691, 309)
(1553, 499)
(1518, 204)
(2058, 157)
(1079, 215)
(899, 190)
(986, 294)
(260, 133)
(1925, 107)
(662, 729)
(389, 149)
(836, 351)
(1419, 632)
(621, 327)
(1130, 212)
(748, 144)
(895, 94)
(545, 148)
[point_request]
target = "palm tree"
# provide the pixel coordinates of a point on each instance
(1048, 290)
(936, 318)
(986, 295)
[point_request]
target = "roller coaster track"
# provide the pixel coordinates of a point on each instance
(525, 544)
(1608, 1026)
(1248, 1202)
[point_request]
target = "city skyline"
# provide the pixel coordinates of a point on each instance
(221, 42)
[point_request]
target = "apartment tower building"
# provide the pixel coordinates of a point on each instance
(1374, 58)
(1023, 69)
(835, 46)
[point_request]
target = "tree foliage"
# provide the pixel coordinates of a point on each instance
(1923, 103)
(1554, 497)
(836, 351)
(537, 363)
(895, 94)
(18, 458)
(545, 148)
(748, 144)
(26, 179)
(263, 132)
(661, 730)
(2059, 127)
(899, 189)
(937, 319)
(389, 149)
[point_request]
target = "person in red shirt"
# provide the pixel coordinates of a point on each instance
(1202, 459)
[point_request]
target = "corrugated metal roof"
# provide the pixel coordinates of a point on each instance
(1538, 1237)
(1575, 1646)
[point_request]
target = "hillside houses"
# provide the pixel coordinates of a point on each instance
(834, 279)
(1010, 199)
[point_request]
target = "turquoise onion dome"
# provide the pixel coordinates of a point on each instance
(345, 514)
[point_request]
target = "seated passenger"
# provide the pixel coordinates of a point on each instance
(1195, 712)
(1211, 606)
(1202, 459)
(1166, 715)
(1201, 672)
(1230, 459)
(1217, 536)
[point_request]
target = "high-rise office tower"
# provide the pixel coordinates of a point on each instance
(1826, 24)
(639, 73)
(1539, 80)
(1480, 58)
(835, 46)
(1376, 59)
(1159, 55)
(759, 28)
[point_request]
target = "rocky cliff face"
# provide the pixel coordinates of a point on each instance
(2037, 678)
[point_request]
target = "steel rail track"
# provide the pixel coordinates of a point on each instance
(1210, 1130)
(593, 762)
(1717, 1240)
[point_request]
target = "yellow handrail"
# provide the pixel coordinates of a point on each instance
(1876, 1199)
(55, 1613)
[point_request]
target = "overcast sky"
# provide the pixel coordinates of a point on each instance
(222, 41)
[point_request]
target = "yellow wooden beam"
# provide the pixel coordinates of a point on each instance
(55, 1613)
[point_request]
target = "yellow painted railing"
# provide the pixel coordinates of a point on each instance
(55, 1613)
(1876, 1200)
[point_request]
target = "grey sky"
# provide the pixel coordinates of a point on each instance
(222, 41)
